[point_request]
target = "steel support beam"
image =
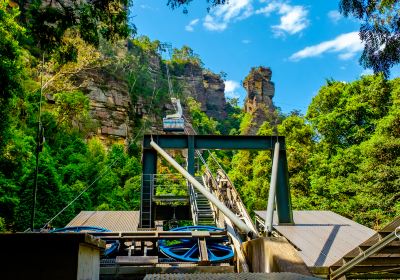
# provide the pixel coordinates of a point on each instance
(272, 190)
(212, 142)
(149, 162)
(283, 200)
(199, 142)
(191, 152)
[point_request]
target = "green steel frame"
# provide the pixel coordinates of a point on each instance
(212, 142)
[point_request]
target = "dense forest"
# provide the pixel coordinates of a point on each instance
(343, 154)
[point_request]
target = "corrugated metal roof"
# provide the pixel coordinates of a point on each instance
(322, 237)
(116, 221)
(229, 276)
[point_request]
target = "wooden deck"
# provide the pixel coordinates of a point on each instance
(322, 237)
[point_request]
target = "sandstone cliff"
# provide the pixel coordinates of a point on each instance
(207, 88)
(116, 112)
(260, 91)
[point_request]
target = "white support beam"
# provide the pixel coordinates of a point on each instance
(239, 223)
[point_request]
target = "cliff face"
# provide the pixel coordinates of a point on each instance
(110, 104)
(215, 95)
(112, 108)
(207, 88)
(260, 91)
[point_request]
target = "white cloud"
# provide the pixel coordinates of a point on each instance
(191, 24)
(347, 45)
(334, 16)
(293, 18)
(246, 41)
(222, 15)
(231, 88)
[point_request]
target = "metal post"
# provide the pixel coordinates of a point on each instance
(272, 191)
(239, 223)
(149, 169)
(39, 143)
(190, 159)
(283, 200)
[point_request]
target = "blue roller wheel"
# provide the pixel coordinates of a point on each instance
(187, 250)
(110, 250)
(81, 229)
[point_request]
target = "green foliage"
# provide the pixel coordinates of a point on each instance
(47, 22)
(200, 121)
(344, 156)
(231, 124)
(354, 165)
(185, 55)
(10, 65)
(71, 107)
(379, 31)
(2, 225)
(246, 123)
(184, 3)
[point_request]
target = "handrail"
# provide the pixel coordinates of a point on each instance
(193, 204)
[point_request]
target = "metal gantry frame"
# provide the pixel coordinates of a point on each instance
(215, 142)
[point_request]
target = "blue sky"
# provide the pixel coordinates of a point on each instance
(304, 42)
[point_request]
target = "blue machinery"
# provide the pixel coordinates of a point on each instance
(189, 250)
(113, 244)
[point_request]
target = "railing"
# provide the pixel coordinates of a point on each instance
(193, 204)
(154, 185)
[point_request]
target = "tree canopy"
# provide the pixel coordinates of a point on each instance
(379, 31)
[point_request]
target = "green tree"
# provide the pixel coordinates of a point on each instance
(11, 67)
(379, 31)
(71, 107)
(47, 22)
(299, 149)
(200, 121)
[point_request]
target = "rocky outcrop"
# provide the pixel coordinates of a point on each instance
(260, 91)
(115, 112)
(207, 88)
(110, 104)
(215, 95)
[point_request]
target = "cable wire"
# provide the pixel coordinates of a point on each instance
(107, 168)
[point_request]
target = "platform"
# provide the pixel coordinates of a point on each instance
(321, 237)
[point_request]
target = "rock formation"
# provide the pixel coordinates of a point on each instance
(112, 108)
(207, 88)
(110, 105)
(260, 91)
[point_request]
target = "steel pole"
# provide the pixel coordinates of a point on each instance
(235, 220)
(272, 190)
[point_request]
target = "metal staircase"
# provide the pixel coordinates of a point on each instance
(201, 209)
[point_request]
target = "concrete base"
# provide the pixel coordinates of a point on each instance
(273, 254)
(61, 256)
